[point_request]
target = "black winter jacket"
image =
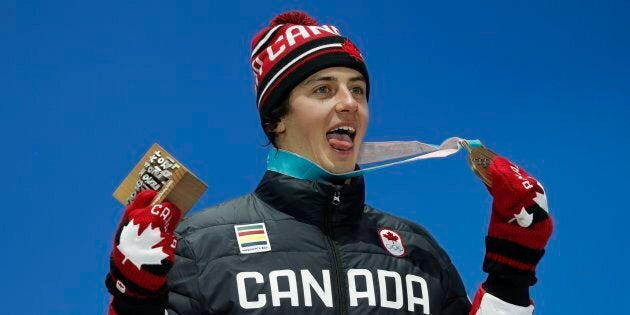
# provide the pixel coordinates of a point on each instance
(320, 252)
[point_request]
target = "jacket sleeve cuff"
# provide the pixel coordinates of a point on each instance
(122, 306)
(488, 304)
(509, 291)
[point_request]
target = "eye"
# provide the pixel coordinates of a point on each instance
(324, 89)
(358, 90)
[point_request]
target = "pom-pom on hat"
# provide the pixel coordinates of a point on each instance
(292, 48)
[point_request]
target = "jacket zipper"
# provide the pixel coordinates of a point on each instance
(341, 294)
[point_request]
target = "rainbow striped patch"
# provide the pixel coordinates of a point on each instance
(252, 238)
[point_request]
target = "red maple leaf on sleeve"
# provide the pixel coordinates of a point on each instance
(390, 236)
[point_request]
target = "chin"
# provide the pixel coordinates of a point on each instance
(339, 167)
(337, 162)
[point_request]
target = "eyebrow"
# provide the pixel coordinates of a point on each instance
(331, 78)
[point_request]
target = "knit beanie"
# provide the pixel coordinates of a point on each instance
(292, 48)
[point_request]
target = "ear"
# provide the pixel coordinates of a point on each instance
(280, 127)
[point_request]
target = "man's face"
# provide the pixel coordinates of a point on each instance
(327, 119)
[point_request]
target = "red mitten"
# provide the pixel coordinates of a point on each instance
(144, 250)
(520, 225)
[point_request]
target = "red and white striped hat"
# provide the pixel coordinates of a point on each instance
(292, 48)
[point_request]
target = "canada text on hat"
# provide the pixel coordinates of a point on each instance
(292, 48)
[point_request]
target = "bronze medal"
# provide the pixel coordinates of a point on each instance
(479, 159)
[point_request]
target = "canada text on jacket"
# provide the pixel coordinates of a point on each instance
(304, 283)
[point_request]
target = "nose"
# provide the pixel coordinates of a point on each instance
(347, 102)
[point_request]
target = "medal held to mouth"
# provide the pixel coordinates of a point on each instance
(160, 171)
(479, 158)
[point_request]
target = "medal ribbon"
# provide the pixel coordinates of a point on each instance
(291, 164)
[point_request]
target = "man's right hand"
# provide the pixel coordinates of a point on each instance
(144, 251)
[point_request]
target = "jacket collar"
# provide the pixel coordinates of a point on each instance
(312, 201)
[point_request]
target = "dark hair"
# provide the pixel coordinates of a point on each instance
(271, 119)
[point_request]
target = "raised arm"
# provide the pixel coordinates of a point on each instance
(143, 254)
(519, 229)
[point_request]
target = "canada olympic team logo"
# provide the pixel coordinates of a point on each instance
(392, 242)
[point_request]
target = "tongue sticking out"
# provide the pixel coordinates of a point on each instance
(340, 141)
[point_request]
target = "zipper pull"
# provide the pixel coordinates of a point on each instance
(336, 198)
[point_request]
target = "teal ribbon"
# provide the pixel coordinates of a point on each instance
(474, 143)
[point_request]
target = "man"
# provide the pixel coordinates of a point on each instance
(305, 242)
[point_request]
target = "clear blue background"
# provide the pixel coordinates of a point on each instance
(87, 87)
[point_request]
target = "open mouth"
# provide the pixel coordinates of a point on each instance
(341, 138)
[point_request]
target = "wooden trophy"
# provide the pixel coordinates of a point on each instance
(159, 171)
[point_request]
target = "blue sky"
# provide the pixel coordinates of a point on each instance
(89, 86)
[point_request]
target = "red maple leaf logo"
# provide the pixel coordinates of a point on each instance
(390, 236)
(352, 50)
